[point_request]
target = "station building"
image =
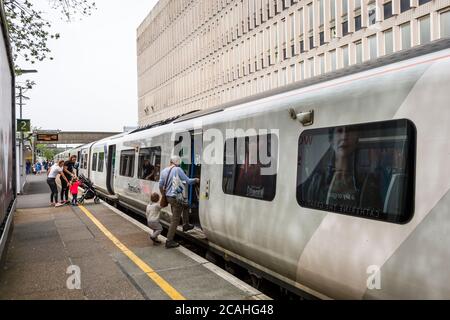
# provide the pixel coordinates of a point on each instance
(196, 54)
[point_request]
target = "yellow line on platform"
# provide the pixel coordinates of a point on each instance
(163, 284)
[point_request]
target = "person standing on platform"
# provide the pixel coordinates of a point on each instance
(53, 172)
(68, 173)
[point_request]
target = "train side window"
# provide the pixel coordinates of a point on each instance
(363, 170)
(127, 163)
(94, 162)
(250, 167)
(101, 161)
(149, 163)
(85, 161)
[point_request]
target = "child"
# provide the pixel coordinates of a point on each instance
(153, 212)
(74, 190)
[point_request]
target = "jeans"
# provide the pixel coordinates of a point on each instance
(54, 189)
(64, 190)
(177, 212)
(74, 199)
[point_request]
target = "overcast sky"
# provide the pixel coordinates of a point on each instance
(91, 85)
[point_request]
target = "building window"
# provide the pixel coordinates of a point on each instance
(346, 61)
(302, 70)
(149, 163)
(372, 177)
(424, 26)
(311, 16)
(101, 161)
(358, 48)
(311, 67)
(372, 14)
(423, 2)
(321, 63)
(387, 10)
(445, 24)
(321, 12)
(127, 163)
(372, 46)
(333, 9)
(344, 28)
(388, 42)
(357, 23)
(302, 46)
(405, 30)
(250, 167)
(94, 162)
(405, 5)
(311, 42)
(344, 7)
(322, 38)
(333, 60)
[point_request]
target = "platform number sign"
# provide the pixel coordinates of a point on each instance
(23, 125)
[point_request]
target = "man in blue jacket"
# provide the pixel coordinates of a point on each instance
(166, 181)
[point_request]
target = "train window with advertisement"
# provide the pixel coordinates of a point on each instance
(149, 165)
(127, 163)
(363, 170)
(94, 162)
(101, 161)
(250, 167)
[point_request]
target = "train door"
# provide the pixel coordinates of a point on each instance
(191, 157)
(111, 168)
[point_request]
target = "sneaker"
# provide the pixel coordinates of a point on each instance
(155, 240)
(171, 244)
(187, 227)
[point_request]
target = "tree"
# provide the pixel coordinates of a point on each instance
(45, 152)
(29, 30)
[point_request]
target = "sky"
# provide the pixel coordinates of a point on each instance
(91, 85)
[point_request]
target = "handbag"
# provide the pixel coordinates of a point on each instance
(163, 202)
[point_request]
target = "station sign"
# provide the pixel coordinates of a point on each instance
(47, 137)
(23, 125)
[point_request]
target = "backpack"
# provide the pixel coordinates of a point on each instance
(180, 190)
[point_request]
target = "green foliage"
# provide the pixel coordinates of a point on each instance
(45, 152)
(29, 30)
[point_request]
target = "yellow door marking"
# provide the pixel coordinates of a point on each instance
(163, 284)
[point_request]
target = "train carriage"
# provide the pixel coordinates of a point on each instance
(354, 197)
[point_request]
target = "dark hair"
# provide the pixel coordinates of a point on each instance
(154, 197)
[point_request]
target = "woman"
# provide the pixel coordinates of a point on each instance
(54, 171)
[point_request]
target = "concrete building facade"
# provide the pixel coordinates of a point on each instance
(196, 54)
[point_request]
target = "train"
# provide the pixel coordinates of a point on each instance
(9, 175)
(337, 187)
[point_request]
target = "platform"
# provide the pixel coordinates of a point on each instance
(113, 253)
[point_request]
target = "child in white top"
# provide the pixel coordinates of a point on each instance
(153, 212)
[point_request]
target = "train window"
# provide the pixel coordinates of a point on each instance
(364, 170)
(149, 163)
(127, 163)
(94, 161)
(250, 167)
(101, 160)
(85, 161)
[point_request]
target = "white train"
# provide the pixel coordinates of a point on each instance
(358, 207)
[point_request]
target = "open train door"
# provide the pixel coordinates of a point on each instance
(191, 153)
(111, 168)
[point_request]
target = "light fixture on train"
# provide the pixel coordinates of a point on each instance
(305, 118)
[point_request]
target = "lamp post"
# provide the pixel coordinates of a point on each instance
(21, 144)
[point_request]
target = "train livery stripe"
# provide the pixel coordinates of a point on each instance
(163, 284)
